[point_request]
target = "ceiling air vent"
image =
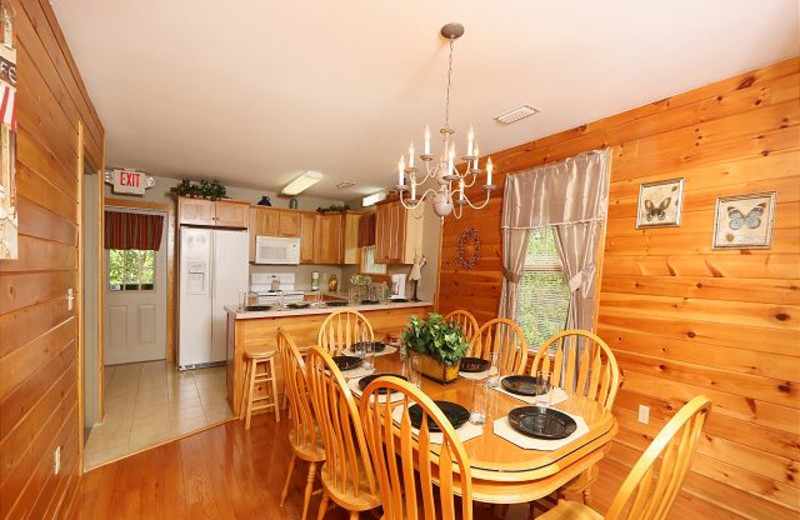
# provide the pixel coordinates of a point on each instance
(345, 184)
(515, 115)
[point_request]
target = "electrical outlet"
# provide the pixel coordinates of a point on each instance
(70, 299)
(57, 461)
(644, 414)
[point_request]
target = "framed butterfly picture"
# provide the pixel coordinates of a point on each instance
(745, 221)
(660, 204)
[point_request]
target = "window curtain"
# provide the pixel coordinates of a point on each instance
(366, 229)
(572, 197)
(133, 230)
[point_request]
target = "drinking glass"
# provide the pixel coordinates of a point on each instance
(243, 297)
(544, 394)
(412, 371)
(494, 380)
(369, 354)
(480, 398)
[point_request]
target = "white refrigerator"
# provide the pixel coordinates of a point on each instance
(213, 272)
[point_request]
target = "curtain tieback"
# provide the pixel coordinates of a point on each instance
(511, 276)
(582, 279)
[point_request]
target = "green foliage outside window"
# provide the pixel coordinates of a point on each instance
(131, 270)
(543, 294)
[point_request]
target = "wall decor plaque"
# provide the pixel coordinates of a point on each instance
(745, 221)
(660, 204)
(469, 248)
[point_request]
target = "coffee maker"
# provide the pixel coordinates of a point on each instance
(398, 287)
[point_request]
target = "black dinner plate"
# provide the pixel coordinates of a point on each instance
(347, 362)
(542, 423)
(370, 302)
(398, 300)
(378, 345)
(523, 385)
(298, 305)
(366, 380)
(336, 303)
(455, 413)
(258, 307)
(474, 364)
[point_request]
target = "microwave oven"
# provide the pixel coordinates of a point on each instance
(277, 250)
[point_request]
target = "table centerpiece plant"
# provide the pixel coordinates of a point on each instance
(440, 344)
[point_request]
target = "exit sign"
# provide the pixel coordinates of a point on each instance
(129, 181)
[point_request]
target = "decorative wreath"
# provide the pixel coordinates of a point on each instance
(469, 248)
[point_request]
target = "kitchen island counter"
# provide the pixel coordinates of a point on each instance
(257, 331)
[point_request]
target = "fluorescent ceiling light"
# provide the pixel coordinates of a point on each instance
(373, 199)
(302, 183)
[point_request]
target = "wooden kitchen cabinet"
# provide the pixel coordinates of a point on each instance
(351, 253)
(328, 231)
(307, 221)
(213, 213)
(273, 222)
(398, 233)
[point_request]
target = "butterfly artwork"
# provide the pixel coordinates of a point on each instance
(745, 221)
(660, 204)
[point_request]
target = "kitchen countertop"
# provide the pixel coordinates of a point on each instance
(288, 313)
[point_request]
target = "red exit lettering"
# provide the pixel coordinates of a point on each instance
(129, 178)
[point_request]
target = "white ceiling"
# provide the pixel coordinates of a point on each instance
(253, 92)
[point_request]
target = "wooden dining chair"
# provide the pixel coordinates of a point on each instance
(503, 336)
(581, 363)
(649, 490)
(304, 437)
(343, 328)
(406, 493)
(467, 321)
(347, 475)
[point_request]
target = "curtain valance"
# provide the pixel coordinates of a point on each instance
(133, 230)
(569, 191)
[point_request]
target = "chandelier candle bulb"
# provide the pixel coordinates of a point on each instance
(461, 189)
(427, 140)
(413, 183)
(475, 162)
(411, 155)
(489, 169)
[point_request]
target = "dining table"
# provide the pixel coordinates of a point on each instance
(503, 472)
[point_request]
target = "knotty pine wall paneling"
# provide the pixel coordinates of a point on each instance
(39, 358)
(684, 319)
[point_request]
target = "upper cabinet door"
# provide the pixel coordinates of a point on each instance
(289, 223)
(307, 237)
(264, 221)
(398, 233)
(231, 214)
(328, 239)
(382, 234)
(196, 212)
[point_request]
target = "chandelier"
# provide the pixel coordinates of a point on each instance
(452, 184)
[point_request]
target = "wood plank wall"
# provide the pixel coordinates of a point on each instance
(683, 319)
(39, 359)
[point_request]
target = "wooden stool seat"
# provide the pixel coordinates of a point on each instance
(251, 403)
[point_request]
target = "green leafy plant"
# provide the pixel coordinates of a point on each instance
(436, 337)
(212, 190)
(334, 208)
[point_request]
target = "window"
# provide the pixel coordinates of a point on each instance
(131, 270)
(543, 294)
(368, 265)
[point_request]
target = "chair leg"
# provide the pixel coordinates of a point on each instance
(353, 515)
(587, 496)
(312, 472)
(243, 400)
(323, 506)
(277, 405)
(249, 413)
(288, 479)
(531, 510)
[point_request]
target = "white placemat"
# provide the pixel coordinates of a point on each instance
(477, 376)
(357, 372)
(502, 428)
(558, 395)
(394, 396)
(466, 432)
(385, 352)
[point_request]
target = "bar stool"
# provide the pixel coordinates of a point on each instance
(253, 378)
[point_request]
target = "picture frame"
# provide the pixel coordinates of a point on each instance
(660, 204)
(745, 221)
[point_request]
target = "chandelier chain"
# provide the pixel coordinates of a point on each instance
(449, 82)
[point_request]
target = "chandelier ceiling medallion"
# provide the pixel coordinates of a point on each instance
(452, 184)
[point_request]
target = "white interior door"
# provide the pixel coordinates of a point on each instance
(136, 305)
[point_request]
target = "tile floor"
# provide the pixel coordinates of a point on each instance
(149, 403)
